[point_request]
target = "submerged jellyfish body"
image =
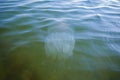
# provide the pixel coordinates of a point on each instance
(60, 41)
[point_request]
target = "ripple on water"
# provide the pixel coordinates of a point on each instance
(25, 26)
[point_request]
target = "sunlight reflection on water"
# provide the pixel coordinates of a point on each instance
(32, 33)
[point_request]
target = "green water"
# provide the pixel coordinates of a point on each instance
(24, 26)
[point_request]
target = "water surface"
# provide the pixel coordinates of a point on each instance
(24, 26)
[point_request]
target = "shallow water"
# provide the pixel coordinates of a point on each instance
(24, 27)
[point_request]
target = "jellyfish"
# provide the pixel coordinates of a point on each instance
(60, 41)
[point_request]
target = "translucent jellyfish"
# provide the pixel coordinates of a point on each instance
(60, 41)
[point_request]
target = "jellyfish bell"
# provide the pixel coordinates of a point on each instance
(60, 41)
(62, 27)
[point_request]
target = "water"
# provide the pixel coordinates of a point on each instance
(93, 29)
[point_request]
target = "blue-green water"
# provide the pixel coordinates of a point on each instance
(25, 24)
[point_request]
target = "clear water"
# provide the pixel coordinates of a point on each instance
(24, 27)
